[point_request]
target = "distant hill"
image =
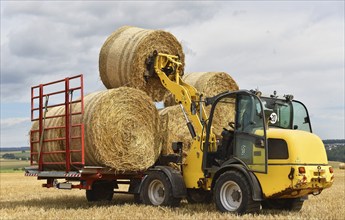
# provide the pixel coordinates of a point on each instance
(6, 149)
(334, 141)
(335, 149)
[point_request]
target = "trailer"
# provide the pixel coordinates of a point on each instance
(99, 182)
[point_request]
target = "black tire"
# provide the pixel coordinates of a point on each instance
(157, 191)
(232, 193)
(137, 199)
(195, 196)
(295, 204)
(101, 191)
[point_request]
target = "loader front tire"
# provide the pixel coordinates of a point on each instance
(157, 190)
(232, 193)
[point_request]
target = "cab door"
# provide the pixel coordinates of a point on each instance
(250, 144)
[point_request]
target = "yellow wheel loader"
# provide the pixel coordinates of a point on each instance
(266, 157)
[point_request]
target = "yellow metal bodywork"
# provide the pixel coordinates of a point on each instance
(186, 94)
(305, 150)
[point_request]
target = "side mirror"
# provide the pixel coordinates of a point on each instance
(306, 120)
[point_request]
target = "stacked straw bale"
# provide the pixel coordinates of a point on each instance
(209, 84)
(122, 58)
(121, 130)
(174, 129)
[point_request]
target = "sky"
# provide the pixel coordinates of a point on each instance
(293, 47)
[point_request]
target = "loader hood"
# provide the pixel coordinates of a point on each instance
(303, 147)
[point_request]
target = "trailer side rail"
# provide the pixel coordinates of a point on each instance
(41, 98)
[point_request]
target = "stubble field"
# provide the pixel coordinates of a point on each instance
(23, 198)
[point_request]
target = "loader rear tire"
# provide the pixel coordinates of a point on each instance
(157, 190)
(296, 205)
(101, 191)
(232, 193)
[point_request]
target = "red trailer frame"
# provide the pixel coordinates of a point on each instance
(84, 175)
(42, 108)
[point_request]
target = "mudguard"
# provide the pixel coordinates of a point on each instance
(253, 181)
(175, 177)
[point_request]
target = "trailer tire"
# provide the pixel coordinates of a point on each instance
(232, 193)
(157, 190)
(101, 191)
(295, 204)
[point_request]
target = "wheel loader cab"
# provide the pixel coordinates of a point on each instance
(244, 134)
(287, 113)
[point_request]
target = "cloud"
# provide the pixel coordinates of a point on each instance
(290, 47)
(15, 132)
(297, 51)
(41, 43)
(9, 122)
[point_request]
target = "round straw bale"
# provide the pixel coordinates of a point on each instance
(342, 166)
(207, 83)
(174, 129)
(123, 55)
(50, 134)
(211, 84)
(121, 130)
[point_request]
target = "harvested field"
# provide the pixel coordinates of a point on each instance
(10, 165)
(24, 198)
(122, 58)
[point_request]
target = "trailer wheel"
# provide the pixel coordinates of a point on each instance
(101, 191)
(199, 196)
(232, 193)
(157, 190)
(295, 204)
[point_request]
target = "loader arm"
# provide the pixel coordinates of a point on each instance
(168, 69)
(184, 93)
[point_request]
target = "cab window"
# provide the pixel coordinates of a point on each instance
(301, 117)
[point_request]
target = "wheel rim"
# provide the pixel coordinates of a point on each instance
(156, 192)
(231, 196)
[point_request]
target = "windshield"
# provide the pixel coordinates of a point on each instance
(286, 114)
